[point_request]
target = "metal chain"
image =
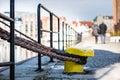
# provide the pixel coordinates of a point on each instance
(34, 46)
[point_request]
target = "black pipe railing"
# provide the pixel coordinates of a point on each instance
(39, 26)
(65, 27)
(51, 27)
(51, 34)
(69, 36)
(12, 47)
(12, 61)
(63, 39)
(58, 33)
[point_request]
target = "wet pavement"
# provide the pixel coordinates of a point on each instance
(105, 65)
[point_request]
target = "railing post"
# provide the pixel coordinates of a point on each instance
(63, 36)
(69, 36)
(12, 56)
(51, 33)
(58, 33)
(39, 25)
(66, 35)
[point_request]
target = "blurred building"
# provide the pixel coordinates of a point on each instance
(88, 23)
(116, 11)
(76, 23)
(116, 14)
(82, 27)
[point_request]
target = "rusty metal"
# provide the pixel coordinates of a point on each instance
(35, 47)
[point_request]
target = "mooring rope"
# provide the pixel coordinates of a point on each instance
(34, 46)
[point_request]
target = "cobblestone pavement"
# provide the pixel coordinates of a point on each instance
(105, 65)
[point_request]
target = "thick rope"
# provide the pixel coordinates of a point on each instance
(35, 47)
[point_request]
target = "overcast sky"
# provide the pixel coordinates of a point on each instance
(71, 9)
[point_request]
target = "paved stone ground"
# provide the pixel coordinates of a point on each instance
(105, 65)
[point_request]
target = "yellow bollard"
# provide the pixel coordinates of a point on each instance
(72, 67)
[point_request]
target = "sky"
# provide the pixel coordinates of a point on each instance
(71, 9)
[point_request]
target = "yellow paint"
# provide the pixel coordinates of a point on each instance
(71, 67)
(80, 52)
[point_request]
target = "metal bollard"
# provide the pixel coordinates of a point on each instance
(73, 67)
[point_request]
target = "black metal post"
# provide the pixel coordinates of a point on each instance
(39, 25)
(12, 56)
(58, 33)
(51, 34)
(76, 36)
(71, 33)
(66, 35)
(63, 36)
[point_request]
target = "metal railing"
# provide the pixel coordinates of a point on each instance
(12, 61)
(40, 30)
(68, 34)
